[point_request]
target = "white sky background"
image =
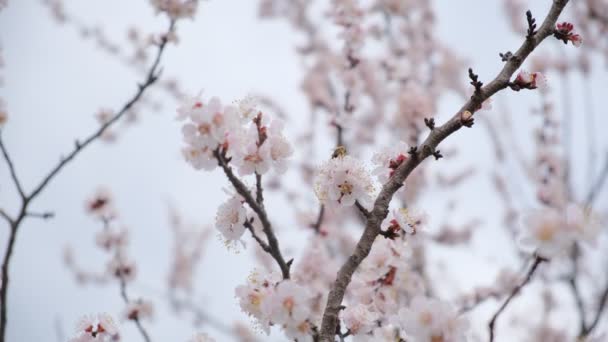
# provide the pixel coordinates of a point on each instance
(54, 82)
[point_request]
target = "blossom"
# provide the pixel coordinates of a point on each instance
(263, 146)
(299, 331)
(101, 204)
(565, 32)
(550, 231)
(288, 303)
(342, 181)
(230, 219)
(201, 337)
(410, 220)
(529, 80)
(122, 268)
(429, 320)
(200, 158)
(208, 123)
(547, 232)
(254, 294)
(99, 327)
(109, 239)
(139, 309)
(388, 160)
(176, 9)
(359, 319)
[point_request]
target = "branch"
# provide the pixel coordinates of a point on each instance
(573, 284)
(598, 184)
(258, 208)
(515, 292)
(151, 78)
(317, 225)
(11, 168)
(435, 137)
(125, 297)
(598, 314)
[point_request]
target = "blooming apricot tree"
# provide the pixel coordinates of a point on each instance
(374, 189)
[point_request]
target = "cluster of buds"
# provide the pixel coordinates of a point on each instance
(565, 32)
(528, 80)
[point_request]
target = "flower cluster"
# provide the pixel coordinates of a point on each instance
(242, 133)
(283, 303)
(342, 181)
(427, 320)
(176, 9)
(96, 328)
(528, 80)
(550, 232)
(565, 32)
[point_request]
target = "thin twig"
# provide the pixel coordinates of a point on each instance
(515, 292)
(125, 298)
(435, 137)
(255, 236)
(317, 225)
(11, 168)
(601, 305)
(598, 184)
(573, 284)
(79, 146)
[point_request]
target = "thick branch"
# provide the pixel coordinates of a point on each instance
(258, 208)
(515, 292)
(436, 136)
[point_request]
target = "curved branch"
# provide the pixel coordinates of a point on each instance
(436, 136)
(515, 292)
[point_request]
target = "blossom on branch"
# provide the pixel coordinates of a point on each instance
(343, 180)
(230, 219)
(565, 32)
(96, 328)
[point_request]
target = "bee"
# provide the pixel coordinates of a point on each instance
(340, 151)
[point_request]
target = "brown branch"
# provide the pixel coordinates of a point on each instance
(255, 236)
(362, 209)
(259, 192)
(317, 225)
(435, 137)
(259, 209)
(151, 78)
(515, 292)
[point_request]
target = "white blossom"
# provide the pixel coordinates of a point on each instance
(342, 181)
(230, 219)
